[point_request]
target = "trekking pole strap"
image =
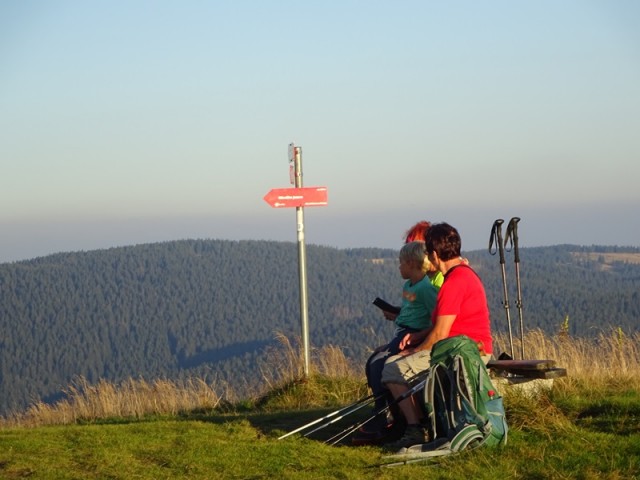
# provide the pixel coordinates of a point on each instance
(511, 237)
(496, 239)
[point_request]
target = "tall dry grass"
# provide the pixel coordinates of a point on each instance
(284, 362)
(333, 378)
(131, 398)
(597, 367)
(609, 356)
(592, 363)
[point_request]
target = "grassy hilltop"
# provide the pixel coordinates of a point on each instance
(586, 426)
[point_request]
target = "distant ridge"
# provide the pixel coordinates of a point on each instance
(209, 307)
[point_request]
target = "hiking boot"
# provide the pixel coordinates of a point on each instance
(413, 435)
(374, 431)
(370, 438)
(381, 422)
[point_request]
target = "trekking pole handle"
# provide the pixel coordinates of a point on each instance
(496, 237)
(511, 236)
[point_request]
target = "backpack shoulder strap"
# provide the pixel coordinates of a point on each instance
(466, 437)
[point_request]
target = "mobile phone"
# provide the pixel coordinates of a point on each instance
(387, 307)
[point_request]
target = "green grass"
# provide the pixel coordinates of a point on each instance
(233, 448)
(580, 432)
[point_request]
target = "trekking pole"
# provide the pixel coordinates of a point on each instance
(340, 417)
(496, 237)
(352, 428)
(511, 236)
(364, 401)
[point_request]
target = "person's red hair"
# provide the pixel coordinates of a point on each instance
(418, 232)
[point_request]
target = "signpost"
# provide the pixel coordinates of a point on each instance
(299, 197)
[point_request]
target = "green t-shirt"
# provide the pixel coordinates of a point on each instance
(418, 301)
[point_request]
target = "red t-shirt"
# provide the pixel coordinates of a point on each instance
(462, 295)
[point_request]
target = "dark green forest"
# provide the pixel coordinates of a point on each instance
(209, 307)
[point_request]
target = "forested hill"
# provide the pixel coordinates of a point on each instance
(209, 307)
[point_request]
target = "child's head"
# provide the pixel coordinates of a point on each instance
(412, 257)
(417, 233)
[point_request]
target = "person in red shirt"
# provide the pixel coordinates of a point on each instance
(461, 309)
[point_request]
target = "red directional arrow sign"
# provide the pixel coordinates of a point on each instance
(297, 197)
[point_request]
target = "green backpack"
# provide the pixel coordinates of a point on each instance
(463, 408)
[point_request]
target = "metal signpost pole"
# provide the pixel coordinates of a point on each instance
(302, 260)
(299, 197)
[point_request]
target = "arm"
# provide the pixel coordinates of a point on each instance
(438, 332)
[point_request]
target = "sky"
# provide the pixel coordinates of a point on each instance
(130, 122)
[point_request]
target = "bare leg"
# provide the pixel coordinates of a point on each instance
(407, 406)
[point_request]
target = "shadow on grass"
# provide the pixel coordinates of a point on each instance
(276, 424)
(618, 418)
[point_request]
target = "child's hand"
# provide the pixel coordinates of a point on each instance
(389, 315)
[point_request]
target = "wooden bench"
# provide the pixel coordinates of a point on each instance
(527, 368)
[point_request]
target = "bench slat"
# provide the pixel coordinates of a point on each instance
(550, 373)
(525, 365)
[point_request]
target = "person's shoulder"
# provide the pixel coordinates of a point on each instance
(468, 270)
(469, 276)
(461, 271)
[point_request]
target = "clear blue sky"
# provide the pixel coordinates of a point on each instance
(125, 122)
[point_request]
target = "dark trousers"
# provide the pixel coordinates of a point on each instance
(375, 365)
